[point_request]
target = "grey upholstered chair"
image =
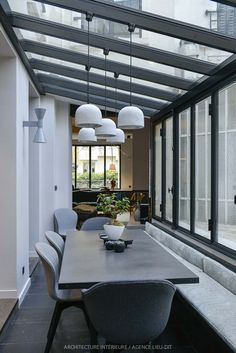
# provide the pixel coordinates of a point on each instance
(129, 312)
(56, 241)
(64, 298)
(65, 220)
(95, 223)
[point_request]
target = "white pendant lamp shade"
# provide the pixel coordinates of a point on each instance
(119, 138)
(108, 129)
(88, 116)
(130, 118)
(87, 135)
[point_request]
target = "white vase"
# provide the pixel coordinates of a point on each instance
(113, 232)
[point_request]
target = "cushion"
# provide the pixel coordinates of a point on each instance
(215, 303)
(195, 257)
(220, 274)
(153, 231)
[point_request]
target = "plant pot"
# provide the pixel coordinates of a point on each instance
(113, 232)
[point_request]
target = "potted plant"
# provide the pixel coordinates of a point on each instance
(111, 207)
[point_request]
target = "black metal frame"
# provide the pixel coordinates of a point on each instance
(100, 79)
(112, 66)
(99, 91)
(90, 164)
(149, 22)
(76, 35)
(214, 94)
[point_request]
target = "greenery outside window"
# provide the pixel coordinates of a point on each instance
(94, 167)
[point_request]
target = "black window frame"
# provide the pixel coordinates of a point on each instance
(90, 164)
(213, 222)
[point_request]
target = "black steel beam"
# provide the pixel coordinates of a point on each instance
(149, 22)
(113, 66)
(225, 70)
(100, 79)
(4, 20)
(225, 2)
(82, 97)
(98, 91)
(116, 45)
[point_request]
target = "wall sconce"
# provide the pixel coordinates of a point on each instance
(39, 135)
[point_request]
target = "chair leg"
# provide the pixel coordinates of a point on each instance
(53, 326)
(92, 331)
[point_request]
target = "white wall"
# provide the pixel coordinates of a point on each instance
(14, 231)
(54, 163)
(28, 171)
(8, 178)
(63, 156)
(22, 179)
(34, 182)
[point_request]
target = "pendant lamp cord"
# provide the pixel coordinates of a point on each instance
(116, 75)
(131, 29)
(89, 18)
(106, 52)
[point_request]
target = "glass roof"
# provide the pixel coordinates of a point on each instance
(170, 64)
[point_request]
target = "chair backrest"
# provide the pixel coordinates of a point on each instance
(65, 219)
(129, 312)
(50, 262)
(95, 223)
(57, 243)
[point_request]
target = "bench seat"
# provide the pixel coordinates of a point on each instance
(214, 297)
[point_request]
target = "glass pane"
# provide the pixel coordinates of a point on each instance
(203, 168)
(73, 167)
(206, 14)
(97, 166)
(169, 168)
(184, 169)
(227, 167)
(158, 170)
(82, 170)
(113, 167)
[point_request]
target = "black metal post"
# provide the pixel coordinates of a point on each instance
(192, 169)
(175, 169)
(214, 166)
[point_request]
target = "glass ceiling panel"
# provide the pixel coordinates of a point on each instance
(109, 74)
(112, 55)
(193, 12)
(205, 13)
(158, 101)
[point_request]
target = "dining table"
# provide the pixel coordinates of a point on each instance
(86, 261)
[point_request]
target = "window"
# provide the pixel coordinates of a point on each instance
(203, 168)
(184, 169)
(95, 166)
(158, 170)
(226, 19)
(169, 168)
(227, 167)
(213, 19)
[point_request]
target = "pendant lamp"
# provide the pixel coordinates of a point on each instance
(118, 139)
(88, 115)
(87, 135)
(131, 117)
(108, 128)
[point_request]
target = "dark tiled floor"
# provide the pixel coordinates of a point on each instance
(27, 330)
